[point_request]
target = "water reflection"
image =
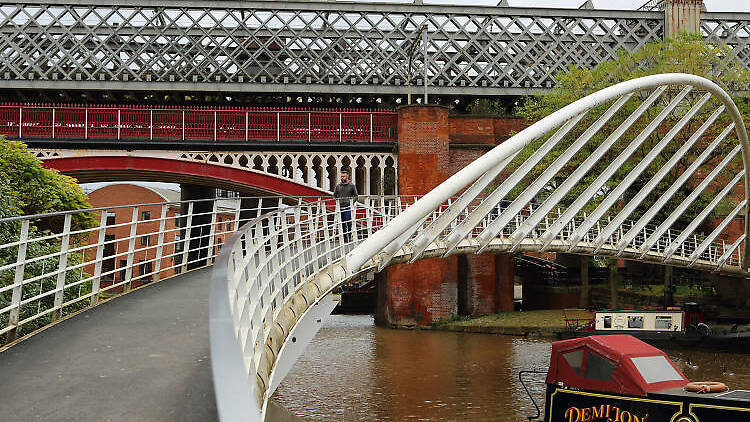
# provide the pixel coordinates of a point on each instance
(354, 371)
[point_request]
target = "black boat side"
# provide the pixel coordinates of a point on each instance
(673, 405)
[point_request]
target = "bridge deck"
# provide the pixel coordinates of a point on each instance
(141, 357)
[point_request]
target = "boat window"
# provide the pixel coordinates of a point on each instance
(575, 359)
(663, 322)
(608, 321)
(598, 368)
(635, 321)
(656, 369)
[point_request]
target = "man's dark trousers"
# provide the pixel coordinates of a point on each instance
(346, 222)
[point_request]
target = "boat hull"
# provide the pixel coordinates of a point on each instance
(569, 405)
(672, 340)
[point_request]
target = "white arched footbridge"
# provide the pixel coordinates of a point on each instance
(270, 282)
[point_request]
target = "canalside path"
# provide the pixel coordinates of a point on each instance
(140, 357)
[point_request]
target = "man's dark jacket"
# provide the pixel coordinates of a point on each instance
(344, 192)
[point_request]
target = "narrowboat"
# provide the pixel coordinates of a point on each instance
(670, 328)
(619, 378)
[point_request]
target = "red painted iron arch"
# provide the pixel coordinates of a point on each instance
(118, 168)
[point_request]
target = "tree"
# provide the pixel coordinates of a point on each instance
(28, 188)
(38, 190)
(685, 54)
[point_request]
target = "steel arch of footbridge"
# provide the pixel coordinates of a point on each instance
(270, 283)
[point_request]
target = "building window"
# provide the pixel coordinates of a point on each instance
(145, 215)
(123, 265)
(178, 242)
(145, 240)
(110, 218)
(144, 268)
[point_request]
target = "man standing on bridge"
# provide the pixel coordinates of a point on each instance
(346, 193)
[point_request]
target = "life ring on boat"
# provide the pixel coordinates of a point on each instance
(706, 387)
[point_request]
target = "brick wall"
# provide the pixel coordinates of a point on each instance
(482, 130)
(145, 244)
(432, 147)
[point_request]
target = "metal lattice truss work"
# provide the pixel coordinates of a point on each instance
(304, 47)
(732, 29)
(373, 173)
(640, 170)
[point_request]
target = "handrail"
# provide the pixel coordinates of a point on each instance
(283, 263)
(67, 269)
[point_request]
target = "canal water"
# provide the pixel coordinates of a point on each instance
(355, 371)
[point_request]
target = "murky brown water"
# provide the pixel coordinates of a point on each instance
(354, 371)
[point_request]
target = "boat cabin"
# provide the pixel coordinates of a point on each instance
(619, 378)
(672, 321)
(619, 364)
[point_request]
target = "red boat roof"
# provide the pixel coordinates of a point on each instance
(612, 363)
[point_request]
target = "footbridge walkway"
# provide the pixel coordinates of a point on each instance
(270, 282)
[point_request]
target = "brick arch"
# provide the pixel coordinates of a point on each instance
(117, 168)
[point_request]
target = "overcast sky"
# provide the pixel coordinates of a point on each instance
(711, 5)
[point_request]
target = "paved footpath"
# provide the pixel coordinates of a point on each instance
(140, 357)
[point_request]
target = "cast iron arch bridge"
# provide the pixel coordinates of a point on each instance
(256, 151)
(270, 282)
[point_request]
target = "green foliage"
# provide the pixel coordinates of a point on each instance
(489, 106)
(685, 54)
(28, 188)
(37, 190)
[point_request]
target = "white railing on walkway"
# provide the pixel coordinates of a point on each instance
(55, 264)
(269, 280)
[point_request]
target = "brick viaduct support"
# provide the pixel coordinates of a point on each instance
(432, 145)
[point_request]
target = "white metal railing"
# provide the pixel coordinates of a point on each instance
(280, 265)
(60, 271)
(49, 274)
(294, 256)
(54, 264)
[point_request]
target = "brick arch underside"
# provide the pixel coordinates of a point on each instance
(108, 169)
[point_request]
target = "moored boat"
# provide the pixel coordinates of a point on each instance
(619, 378)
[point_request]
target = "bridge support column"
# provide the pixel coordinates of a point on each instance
(419, 293)
(668, 293)
(504, 286)
(425, 291)
(682, 16)
(612, 266)
(584, 296)
(201, 221)
(485, 284)
(428, 290)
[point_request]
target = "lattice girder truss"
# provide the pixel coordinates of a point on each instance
(325, 47)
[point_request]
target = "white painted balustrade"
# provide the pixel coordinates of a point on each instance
(276, 274)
